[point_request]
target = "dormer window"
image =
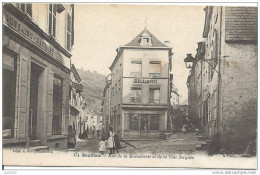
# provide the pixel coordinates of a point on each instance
(146, 40)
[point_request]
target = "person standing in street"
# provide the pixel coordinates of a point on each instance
(102, 145)
(110, 142)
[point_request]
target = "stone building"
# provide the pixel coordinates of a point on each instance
(140, 87)
(77, 116)
(223, 80)
(106, 103)
(37, 42)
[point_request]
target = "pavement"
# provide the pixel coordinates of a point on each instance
(178, 143)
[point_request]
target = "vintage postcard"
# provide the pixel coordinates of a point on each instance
(130, 85)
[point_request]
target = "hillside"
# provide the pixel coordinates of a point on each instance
(93, 85)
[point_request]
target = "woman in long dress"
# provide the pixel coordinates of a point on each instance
(110, 142)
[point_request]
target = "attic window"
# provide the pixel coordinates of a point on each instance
(146, 40)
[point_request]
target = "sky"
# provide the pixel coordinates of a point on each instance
(101, 29)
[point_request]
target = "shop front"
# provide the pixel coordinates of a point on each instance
(144, 124)
(35, 87)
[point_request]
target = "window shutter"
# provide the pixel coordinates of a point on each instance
(54, 20)
(23, 7)
(50, 19)
(29, 8)
(49, 109)
(68, 32)
(23, 97)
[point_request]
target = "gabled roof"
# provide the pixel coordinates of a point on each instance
(155, 42)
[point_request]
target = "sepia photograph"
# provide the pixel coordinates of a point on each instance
(156, 85)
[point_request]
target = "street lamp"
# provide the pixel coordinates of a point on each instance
(189, 61)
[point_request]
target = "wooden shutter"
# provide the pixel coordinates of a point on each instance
(50, 19)
(23, 97)
(68, 33)
(49, 110)
(66, 91)
(54, 20)
(29, 9)
(23, 7)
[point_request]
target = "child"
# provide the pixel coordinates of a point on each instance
(102, 146)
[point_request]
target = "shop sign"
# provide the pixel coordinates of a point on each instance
(26, 32)
(145, 81)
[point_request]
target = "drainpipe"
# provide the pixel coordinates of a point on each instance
(219, 76)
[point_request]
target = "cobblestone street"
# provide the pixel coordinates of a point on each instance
(178, 143)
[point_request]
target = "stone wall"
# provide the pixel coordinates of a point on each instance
(239, 95)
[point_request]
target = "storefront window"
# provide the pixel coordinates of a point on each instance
(143, 122)
(133, 122)
(57, 106)
(154, 122)
(9, 85)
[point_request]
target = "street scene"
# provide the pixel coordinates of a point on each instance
(128, 79)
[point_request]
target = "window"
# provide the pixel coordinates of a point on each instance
(133, 122)
(143, 122)
(52, 19)
(154, 122)
(154, 95)
(57, 106)
(68, 32)
(136, 68)
(25, 7)
(9, 93)
(155, 67)
(136, 94)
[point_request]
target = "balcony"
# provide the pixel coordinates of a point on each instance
(155, 101)
(135, 99)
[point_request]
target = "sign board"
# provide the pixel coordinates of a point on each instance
(145, 81)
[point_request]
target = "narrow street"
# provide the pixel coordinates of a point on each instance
(178, 143)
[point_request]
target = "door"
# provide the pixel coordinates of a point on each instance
(144, 126)
(34, 82)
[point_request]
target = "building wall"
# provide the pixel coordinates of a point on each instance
(239, 95)
(30, 44)
(231, 94)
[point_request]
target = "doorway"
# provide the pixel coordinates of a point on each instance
(34, 93)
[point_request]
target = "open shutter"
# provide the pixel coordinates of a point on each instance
(49, 104)
(54, 20)
(23, 97)
(68, 33)
(66, 105)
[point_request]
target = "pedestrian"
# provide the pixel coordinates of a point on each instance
(71, 138)
(93, 132)
(110, 142)
(102, 145)
(117, 144)
(98, 133)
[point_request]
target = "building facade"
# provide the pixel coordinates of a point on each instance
(223, 80)
(140, 87)
(77, 118)
(106, 103)
(37, 41)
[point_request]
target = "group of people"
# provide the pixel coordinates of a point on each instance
(109, 140)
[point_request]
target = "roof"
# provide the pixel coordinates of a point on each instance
(155, 42)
